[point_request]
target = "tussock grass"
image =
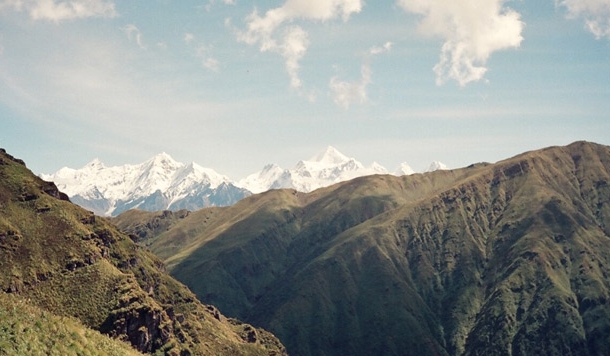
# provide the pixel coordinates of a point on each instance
(29, 330)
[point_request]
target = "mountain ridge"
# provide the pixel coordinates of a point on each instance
(158, 183)
(490, 259)
(161, 183)
(61, 259)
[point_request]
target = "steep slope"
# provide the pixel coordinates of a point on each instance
(502, 259)
(157, 184)
(68, 262)
(28, 330)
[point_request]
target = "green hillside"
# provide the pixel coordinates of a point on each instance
(69, 263)
(28, 330)
(493, 259)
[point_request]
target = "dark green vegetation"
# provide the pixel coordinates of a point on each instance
(509, 258)
(62, 264)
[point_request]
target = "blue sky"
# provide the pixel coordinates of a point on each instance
(234, 85)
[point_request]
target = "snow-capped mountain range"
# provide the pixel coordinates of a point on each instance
(324, 169)
(161, 183)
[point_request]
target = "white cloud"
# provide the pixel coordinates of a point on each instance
(293, 48)
(472, 30)
(294, 42)
(377, 50)
(208, 62)
(133, 33)
(61, 10)
(596, 14)
(188, 38)
(211, 64)
(347, 93)
(208, 7)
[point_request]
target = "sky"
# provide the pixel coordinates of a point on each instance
(234, 85)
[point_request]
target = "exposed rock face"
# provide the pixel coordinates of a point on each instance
(146, 327)
(494, 259)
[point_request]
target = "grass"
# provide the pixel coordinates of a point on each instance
(506, 258)
(72, 265)
(29, 330)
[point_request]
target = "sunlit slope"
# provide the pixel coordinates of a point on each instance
(28, 330)
(64, 260)
(493, 259)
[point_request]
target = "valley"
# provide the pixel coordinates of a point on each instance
(509, 258)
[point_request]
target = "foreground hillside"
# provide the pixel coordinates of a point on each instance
(61, 263)
(509, 258)
(28, 330)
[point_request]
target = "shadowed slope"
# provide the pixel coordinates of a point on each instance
(502, 259)
(71, 263)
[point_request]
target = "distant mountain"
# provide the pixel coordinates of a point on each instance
(65, 272)
(436, 166)
(160, 183)
(404, 170)
(510, 258)
(326, 168)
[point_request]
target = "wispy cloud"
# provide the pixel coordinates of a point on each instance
(293, 41)
(211, 64)
(57, 11)
(134, 33)
(188, 37)
(91, 87)
(202, 52)
(208, 7)
(472, 30)
(596, 14)
(346, 93)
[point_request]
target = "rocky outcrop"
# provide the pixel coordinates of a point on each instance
(139, 321)
(67, 262)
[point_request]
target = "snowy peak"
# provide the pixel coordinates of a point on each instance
(330, 156)
(163, 160)
(94, 165)
(436, 166)
(264, 180)
(326, 168)
(378, 169)
(159, 183)
(201, 175)
(403, 170)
